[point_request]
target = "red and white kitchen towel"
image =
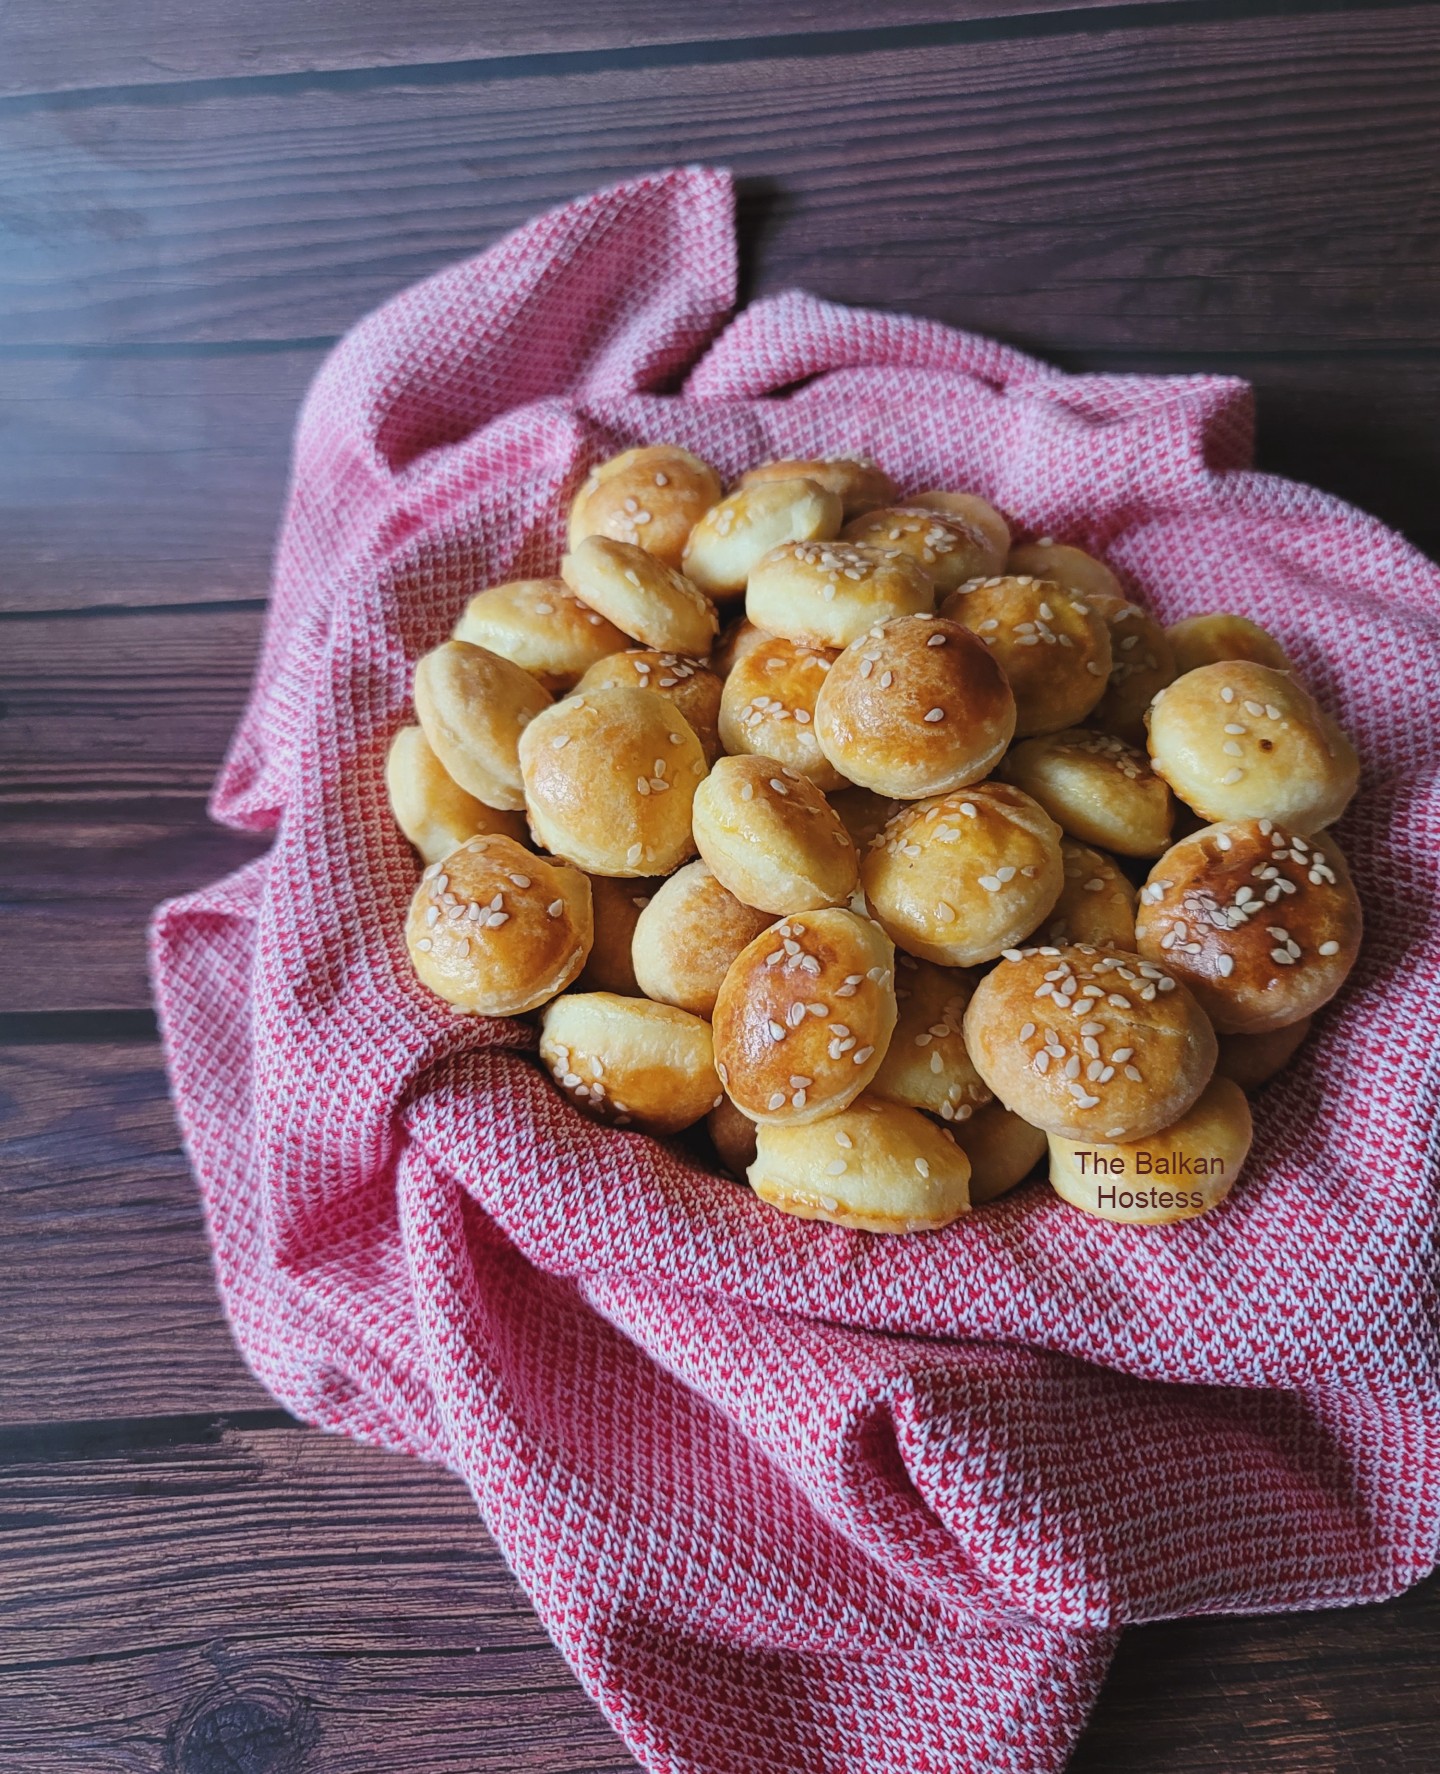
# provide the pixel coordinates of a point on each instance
(792, 1498)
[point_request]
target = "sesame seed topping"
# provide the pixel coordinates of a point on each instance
(922, 1167)
(1231, 776)
(1329, 948)
(861, 1054)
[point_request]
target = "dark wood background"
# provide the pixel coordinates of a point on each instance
(194, 201)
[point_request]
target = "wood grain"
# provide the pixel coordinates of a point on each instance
(1199, 187)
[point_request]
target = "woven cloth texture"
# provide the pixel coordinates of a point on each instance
(790, 1497)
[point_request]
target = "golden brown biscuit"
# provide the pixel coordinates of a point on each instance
(804, 1016)
(731, 537)
(1176, 1173)
(1253, 1060)
(1141, 664)
(540, 625)
(432, 809)
(617, 905)
(733, 1137)
(827, 593)
(1052, 646)
(610, 780)
(768, 706)
(735, 640)
(949, 549)
(653, 496)
(686, 682)
(474, 706)
(862, 813)
(1070, 568)
(495, 930)
(1097, 788)
(641, 595)
(772, 838)
(1002, 1150)
(915, 707)
(977, 514)
(1261, 924)
(926, 1065)
(630, 1062)
(1205, 640)
(957, 879)
(1096, 904)
(1237, 740)
(1089, 1043)
(688, 935)
(860, 483)
(876, 1167)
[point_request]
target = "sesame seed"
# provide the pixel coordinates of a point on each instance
(777, 1100)
(935, 714)
(991, 883)
(936, 640)
(1227, 694)
(1233, 749)
(922, 1167)
(1329, 948)
(777, 1030)
(861, 1054)
(1231, 776)
(836, 1167)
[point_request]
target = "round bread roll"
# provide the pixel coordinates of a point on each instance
(771, 837)
(1051, 645)
(827, 593)
(1205, 640)
(804, 1016)
(432, 809)
(859, 483)
(948, 548)
(653, 496)
(876, 1167)
(916, 706)
(926, 1065)
(960, 878)
(541, 626)
(733, 1137)
(641, 595)
(1096, 904)
(1070, 568)
(1089, 1043)
(1261, 924)
(630, 1062)
(736, 639)
(977, 514)
(1242, 741)
(495, 930)
(862, 813)
(610, 780)
(473, 706)
(688, 935)
(1141, 664)
(768, 706)
(733, 535)
(1002, 1150)
(1253, 1060)
(1097, 788)
(617, 905)
(687, 683)
(1177, 1173)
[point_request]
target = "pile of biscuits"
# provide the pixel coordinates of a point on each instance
(940, 855)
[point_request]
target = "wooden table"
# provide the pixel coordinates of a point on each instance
(194, 201)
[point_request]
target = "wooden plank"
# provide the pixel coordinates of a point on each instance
(1211, 186)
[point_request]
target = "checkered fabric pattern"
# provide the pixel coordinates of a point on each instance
(793, 1499)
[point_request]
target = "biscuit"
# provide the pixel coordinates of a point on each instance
(473, 706)
(731, 537)
(735, 640)
(430, 807)
(947, 548)
(688, 683)
(926, 1065)
(1236, 740)
(652, 496)
(862, 813)
(1096, 904)
(1261, 924)
(828, 593)
(641, 595)
(610, 780)
(617, 905)
(1141, 664)
(1205, 640)
(541, 626)
(629, 1062)
(1002, 1150)
(733, 1137)
(495, 930)
(959, 878)
(1089, 1043)
(977, 514)
(1070, 568)
(915, 707)
(804, 1016)
(859, 483)
(687, 936)
(1253, 1060)
(770, 836)
(767, 707)
(1097, 788)
(876, 1167)
(1176, 1173)
(1051, 645)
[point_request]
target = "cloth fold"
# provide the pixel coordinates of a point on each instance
(789, 1497)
